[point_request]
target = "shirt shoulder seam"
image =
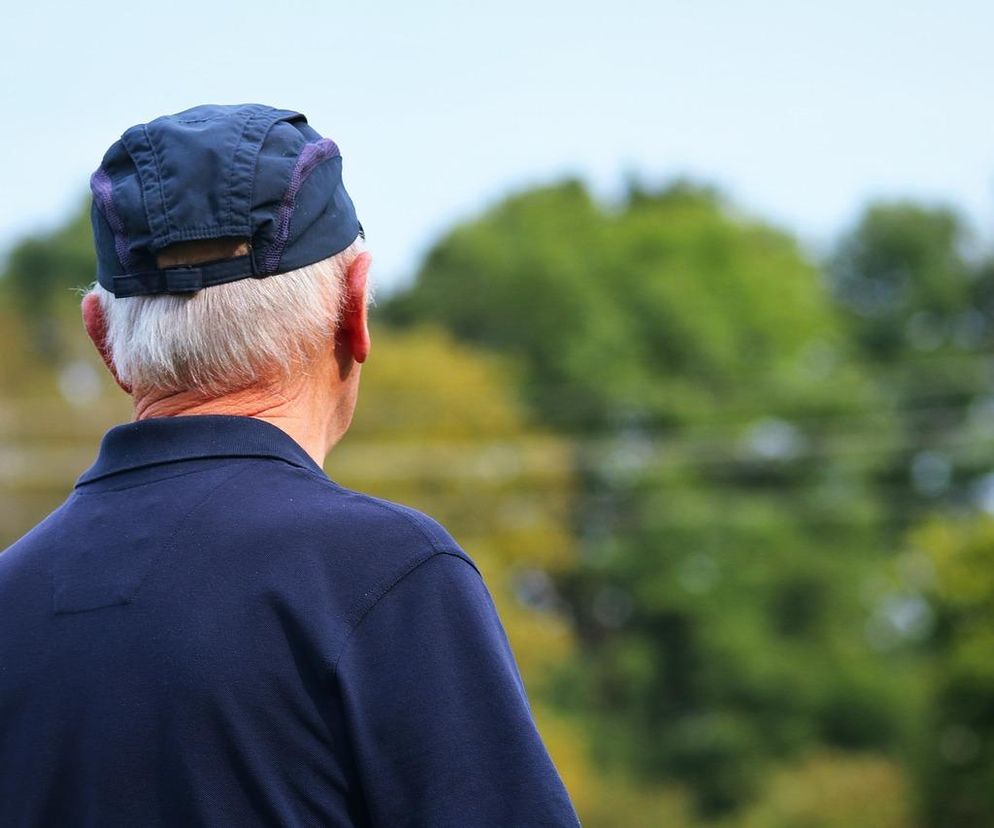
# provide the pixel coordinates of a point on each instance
(458, 554)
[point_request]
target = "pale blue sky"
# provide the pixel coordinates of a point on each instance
(799, 111)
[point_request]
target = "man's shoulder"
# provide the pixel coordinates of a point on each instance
(370, 510)
(337, 520)
(302, 494)
(362, 543)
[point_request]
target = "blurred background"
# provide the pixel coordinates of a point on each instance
(684, 327)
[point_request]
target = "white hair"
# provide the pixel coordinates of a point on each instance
(227, 337)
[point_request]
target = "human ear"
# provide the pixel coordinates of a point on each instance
(353, 329)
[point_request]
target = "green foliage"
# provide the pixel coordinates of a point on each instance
(41, 279)
(722, 520)
(661, 311)
(958, 750)
(920, 311)
(902, 273)
(833, 791)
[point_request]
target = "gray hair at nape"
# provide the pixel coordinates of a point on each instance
(228, 337)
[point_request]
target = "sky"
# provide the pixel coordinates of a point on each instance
(800, 112)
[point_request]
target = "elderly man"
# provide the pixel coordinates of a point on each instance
(210, 631)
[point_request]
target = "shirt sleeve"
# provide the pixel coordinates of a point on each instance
(441, 726)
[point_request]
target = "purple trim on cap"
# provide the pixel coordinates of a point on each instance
(100, 185)
(310, 156)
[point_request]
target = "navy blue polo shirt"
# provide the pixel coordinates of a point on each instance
(209, 631)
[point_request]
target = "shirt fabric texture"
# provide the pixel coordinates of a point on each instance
(210, 631)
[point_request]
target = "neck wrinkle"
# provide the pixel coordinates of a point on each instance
(297, 412)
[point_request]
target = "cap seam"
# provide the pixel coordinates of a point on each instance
(141, 193)
(251, 190)
(158, 181)
(104, 200)
(199, 120)
(231, 167)
(254, 177)
(303, 168)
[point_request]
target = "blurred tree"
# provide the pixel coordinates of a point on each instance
(920, 301)
(901, 271)
(957, 757)
(655, 313)
(726, 508)
(920, 309)
(833, 791)
(41, 276)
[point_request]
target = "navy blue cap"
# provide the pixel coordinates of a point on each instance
(249, 171)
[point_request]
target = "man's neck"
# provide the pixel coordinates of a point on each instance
(296, 412)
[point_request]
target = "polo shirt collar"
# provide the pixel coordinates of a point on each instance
(159, 440)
